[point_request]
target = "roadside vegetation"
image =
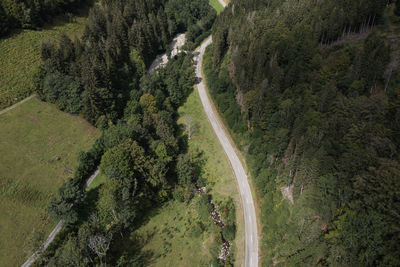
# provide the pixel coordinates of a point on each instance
(216, 5)
(184, 229)
(20, 56)
(39, 148)
(219, 178)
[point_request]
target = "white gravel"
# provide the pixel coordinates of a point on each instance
(162, 60)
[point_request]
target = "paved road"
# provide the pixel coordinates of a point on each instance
(251, 255)
(56, 229)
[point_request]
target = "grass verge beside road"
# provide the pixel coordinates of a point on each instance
(39, 146)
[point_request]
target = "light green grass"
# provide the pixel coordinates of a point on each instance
(216, 5)
(218, 172)
(39, 146)
(20, 58)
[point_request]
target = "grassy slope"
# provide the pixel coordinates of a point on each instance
(33, 135)
(216, 5)
(20, 57)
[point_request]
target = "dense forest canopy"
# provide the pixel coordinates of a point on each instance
(315, 87)
(31, 14)
(95, 75)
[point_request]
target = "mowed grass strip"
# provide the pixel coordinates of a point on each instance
(20, 58)
(217, 169)
(39, 146)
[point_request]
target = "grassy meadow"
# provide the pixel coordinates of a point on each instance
(39, 146)
(20, 57)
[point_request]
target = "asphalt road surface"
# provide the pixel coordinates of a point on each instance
(250, 222)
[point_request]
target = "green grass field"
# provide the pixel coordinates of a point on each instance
(39, 146)
(216, 5)
(20, 58)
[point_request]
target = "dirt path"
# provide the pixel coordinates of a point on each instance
(250, 221)
(17, 104)
(56, 229)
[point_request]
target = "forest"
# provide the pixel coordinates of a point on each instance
(142, 151)
(310, 90)
(94, 75)
(33, 14)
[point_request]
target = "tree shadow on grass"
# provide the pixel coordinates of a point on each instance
(130, 248)
(89, 203)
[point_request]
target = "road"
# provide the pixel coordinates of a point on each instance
(56, 229)
(250, 221)
(251, 255)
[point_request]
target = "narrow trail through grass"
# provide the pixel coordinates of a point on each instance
(39, 146)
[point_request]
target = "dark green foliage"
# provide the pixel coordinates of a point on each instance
(64, 205)
(139, 155)
(95, 76)
(318, 97)
(4, 22)
(397, 8)
(32, 14)
(228, 213)
(194, 16)
(185, 170)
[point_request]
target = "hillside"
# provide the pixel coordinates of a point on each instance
(310, 90)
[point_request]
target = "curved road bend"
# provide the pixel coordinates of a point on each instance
(250, 222)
